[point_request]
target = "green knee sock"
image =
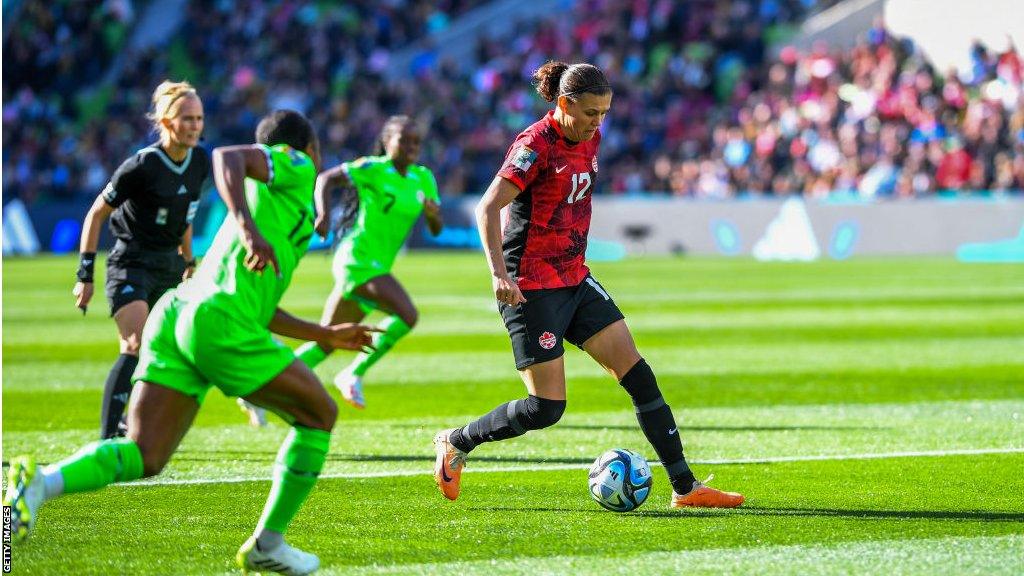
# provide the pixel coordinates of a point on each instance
(299, 462)
(394, 328)
(311, 354)
(101, 463)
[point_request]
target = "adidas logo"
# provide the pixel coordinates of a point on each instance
(182, 190)
(128, 289)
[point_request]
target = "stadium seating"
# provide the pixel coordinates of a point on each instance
(702, 109)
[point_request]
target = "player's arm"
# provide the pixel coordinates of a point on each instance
(186, 253)
(327, 181)
(488, 220)
(432, 211)
(231, 166)
(94, 219)
(432, 208)
(349, 336)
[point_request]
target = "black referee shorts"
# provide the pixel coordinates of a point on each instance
(136, 274)
(575, 313)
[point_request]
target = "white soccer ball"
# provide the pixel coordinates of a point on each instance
(620, 480)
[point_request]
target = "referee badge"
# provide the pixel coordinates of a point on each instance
(547, 340)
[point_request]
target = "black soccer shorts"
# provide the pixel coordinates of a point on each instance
(538, 326)
(134, 274)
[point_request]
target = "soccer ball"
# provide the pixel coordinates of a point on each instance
(620, 480)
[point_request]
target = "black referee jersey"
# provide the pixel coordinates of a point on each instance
(155, 198)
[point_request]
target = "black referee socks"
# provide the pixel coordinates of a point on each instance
(659, 426)
(509, 420)
(116, 393)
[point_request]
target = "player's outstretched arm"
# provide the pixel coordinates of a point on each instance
(348, 336)
(327, 181)
(231, 166)
(488, 220)
(98, 214)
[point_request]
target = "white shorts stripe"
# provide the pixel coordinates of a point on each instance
(592, 282)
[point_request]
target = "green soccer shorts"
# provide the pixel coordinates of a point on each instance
(191, 346)
(351, 272)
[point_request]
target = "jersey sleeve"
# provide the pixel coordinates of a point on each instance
(127, 181)
(359, 171)
(524, 159)
(286, 166)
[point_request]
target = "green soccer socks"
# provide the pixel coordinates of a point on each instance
(101, 463)
(298, 465)
(394, 329)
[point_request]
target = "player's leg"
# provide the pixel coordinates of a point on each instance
(129, 307)
(543, 407)
(158, 419)
(538, 354)
(613, 348)
(338, 309)
(388, 295)
(341, 305)
(391, 298)
(297, 396)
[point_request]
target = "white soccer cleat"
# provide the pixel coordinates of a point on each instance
(25, 494)
(283, 559)
(351, 388)
(257, 415)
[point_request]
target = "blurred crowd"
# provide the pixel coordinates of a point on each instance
(63, 137)
(875, 121)
(701, 108)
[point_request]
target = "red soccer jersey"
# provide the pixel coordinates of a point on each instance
(545, 234)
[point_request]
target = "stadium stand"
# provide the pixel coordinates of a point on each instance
(702, 107)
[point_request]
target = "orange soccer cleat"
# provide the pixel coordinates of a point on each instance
(704, 496)
(448, 466)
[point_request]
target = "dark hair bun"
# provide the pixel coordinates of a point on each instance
(547, 79)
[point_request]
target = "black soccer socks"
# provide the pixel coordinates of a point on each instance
(116, 393)
(659, 426)
(509, 420)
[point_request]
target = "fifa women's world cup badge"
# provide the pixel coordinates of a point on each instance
(524, 158)
(593, 162)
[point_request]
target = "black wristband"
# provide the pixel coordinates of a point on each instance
(190, 263)
(86, 264)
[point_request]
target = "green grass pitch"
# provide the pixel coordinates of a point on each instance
(872, 411)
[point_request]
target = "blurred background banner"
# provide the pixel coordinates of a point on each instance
(774, 228)
(897, 127)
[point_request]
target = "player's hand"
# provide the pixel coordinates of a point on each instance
(189, 271)
(322, 226)
(431, 209)
(258, 252)
(507, 291)
(351, 336)
(83, 294)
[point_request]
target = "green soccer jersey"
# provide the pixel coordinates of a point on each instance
(283, 212)
(389, 205)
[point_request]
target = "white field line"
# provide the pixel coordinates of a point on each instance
(543, 467)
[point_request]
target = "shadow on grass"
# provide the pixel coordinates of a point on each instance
(960, 515)
(268, 455)
(752, 428)
(967, 515)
